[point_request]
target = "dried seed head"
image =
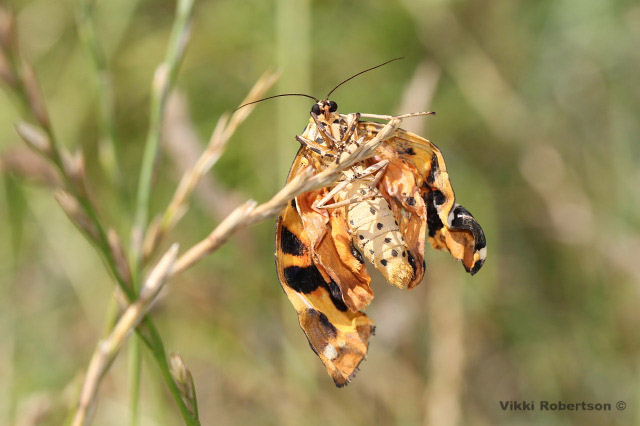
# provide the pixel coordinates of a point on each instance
(36, 100)
(34, 138)
(28, 165)
(75, 170)
(184, 380)
(77, 215)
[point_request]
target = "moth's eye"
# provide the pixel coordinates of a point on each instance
(315, 109)
(333, 107)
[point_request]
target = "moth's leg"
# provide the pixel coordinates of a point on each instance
(352, 200)
(377, 169)
(371, 193)
(378, 177)
(324, 132)
(339, 187)
(315, 147)
(348, 134)
(351, 127)
(389, 117)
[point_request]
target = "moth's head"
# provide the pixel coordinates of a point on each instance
(324, 108)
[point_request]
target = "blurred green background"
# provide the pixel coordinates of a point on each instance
(538, 106)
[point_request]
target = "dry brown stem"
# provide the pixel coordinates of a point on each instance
(108, 348)
(223, 131)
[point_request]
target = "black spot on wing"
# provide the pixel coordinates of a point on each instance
(405, 149)
(336, 295)
(431, 178)
(464, 220)
(325, 328)
(290, 243)
(308, 279)
(433, 220)
(356, 253)
(293, 203)
(303, 279)
(412, 262)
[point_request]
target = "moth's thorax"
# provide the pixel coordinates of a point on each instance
(337, 126)
(334, 124)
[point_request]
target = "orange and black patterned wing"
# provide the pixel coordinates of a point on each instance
(337, 334)
(450, 226)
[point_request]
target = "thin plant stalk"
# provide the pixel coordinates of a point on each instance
(163, 81)
(222, 132)
(109, 347)
(20, 78)
(109, 145)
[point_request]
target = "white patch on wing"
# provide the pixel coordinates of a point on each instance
(482, 253)
(330, 352)
(304, 300)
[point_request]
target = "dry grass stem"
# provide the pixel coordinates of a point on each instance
(216, 238)
(109, 347)
(223, 131)
(183, 146)
(249, 213)
(178, 205)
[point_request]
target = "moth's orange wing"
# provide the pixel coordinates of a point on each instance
(337, 334)
(451, 227)
(333, 250)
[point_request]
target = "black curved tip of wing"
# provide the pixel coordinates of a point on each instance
(464, 220)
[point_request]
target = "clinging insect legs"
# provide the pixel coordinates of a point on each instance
(377, 169)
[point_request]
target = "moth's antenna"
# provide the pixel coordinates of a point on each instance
(362, 72)
(277, 96)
